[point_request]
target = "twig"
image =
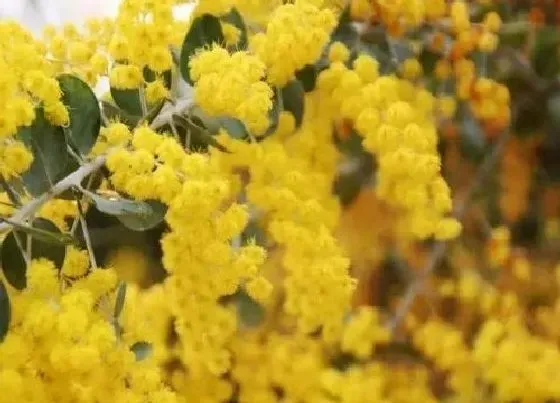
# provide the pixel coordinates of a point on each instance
(170, 110)
(87, 238)
(79, 201)
(74, 179)
(23, 250)
(440, 248)
(12, 195)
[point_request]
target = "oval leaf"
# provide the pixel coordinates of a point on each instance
(250, 313)
(5, 311)
(112, 112)
(53, 238)
(308, 77)
(48, 145)
(13, 262)
(204, 31)
(83, 108)
(134, 214)
(121, 296)
(473, 142)
(128, 100)
(145, 221)
(141, 350)
(293, 99)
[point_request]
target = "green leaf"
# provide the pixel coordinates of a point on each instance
(293, 99)
(204, 31)
(233, 126)
(121, 296)
(545, 58)
(145, 222)
(235, 18)
(250, 313)
(514, 33)
(134, 214)
(53, 238)
(13, 262)
(112, 112)
(83, 108)
(473, 142)
(5, 311)
(128, 100)
(308, 77)
(345, 31)
(128, 107)
(141, 350)
(428, 59)
(48, 145)
(194, 134)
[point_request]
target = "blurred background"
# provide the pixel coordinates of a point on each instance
(36, 13)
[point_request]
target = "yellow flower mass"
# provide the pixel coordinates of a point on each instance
(318, 213)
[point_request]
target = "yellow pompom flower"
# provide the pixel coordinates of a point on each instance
(126, 76)
(231, 33)
(300, 23)
(411, 69)
(15, 159)
(76, 262)
(363, 332)
(338, 52)
(231, 85)
(156, 91)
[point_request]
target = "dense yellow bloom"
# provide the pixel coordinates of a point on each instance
(156, 91)
(395, 119)
(363, 332)
(15, 159)
(301, 216)
(301, 23)
(231, 85)
(126, 77)
(257, 219)
(59, 211)
(81, 346)
(76, 262)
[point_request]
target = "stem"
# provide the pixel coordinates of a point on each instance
(12, 195)
(87, 238)
(79, 201)
(143, 102)
(22, 249)
(440, 248)
(29, 251)
(74, 179)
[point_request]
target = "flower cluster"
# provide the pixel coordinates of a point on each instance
(293, 236)
(60, 336)
(394, 117)
(296, 211)
(26, 83)
(231, 85)
(301, 23)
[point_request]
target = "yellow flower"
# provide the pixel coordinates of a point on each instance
(231, 33)
(231, 85)
(156, 91)
(295, 36)
(126, 76)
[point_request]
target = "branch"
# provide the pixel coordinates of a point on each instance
(440, 247)
(74, 179)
